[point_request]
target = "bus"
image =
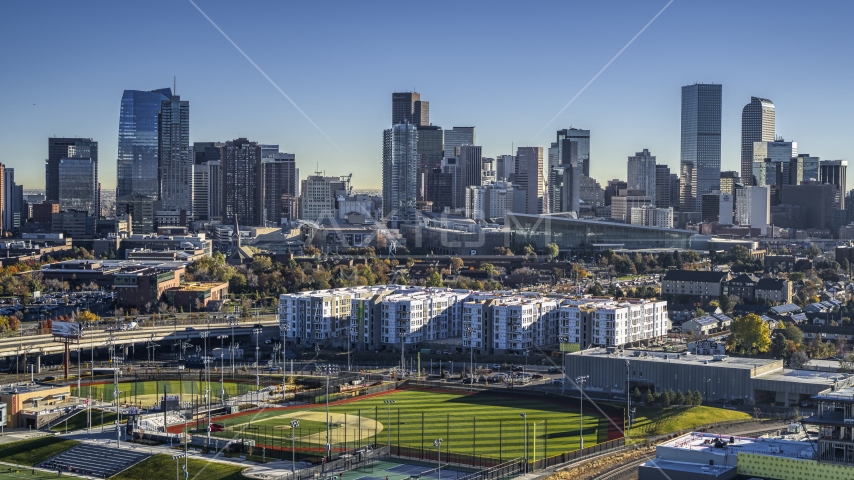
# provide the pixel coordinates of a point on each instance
(106, 371)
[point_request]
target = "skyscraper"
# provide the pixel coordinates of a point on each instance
(78, 186)
(137, 167)
(400, 169)
(662, 186)
(642, 174)
(408, 107)
(700, 165)
(280, 177)
(175, 163)
(206, 151)
(431, 145)
(240, 174)
(771, 162)
(834, 172)
(529, 176)
(580, 155)
(59, 148)
(505, 165)
(757, 125)
(11, 207)
(803, 168)
(471, 167)
(207, 183)
(457, 137)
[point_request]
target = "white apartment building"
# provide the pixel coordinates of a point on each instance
(652, 216)
(753, 207)
(519, 324)
(422, 315)
(620, 323)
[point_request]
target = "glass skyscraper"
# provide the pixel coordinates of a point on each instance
(78, 188)
(400, 168)
(137, 168)
(175, 161)
(757, 125)
(700, 164)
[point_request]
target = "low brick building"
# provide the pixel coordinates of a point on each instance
(196, 296)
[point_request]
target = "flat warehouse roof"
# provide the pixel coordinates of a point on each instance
(679, 358)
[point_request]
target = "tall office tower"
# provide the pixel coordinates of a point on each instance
(775, 157)
(267, 151)
(662, 186)
(400, 171)
(700, 165)
(529, 176)
(591, 192)
(280, 179)
(555, 189)
(505, 165)
(728, 180)
(206, 151)
(457, 137)
(318, 197)
(726, 207)
(431, 146)
(59, 148)
(613, 189)
(471, 167)
(675, 189)
(442, 187)
(78, 186)
(488, 172)
(3, 226)
(803, 168)
(136, 169)
(407, 107)
(240, 174)
(175, 163)
(757, 125)
(753, 207)
(580, 155)
(642, 174)
(12, 199)
(834, 172)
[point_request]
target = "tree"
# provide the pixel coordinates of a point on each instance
(797, 277)
(750, 334)
(552, 251)
(698, 398)
(813, 252)
(665, 399)
(650, 397)
(799, 360)
(88, 317)
(636, 395)
(779, 345)
(727, 303)
(434, 280)
(679, 399)
(488, 268)
(793, 333)
(457, 264)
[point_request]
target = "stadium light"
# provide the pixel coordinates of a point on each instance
(177, 459)
(294, 425)
(388, 403)
(580, 381)
(438, 444)
(525, 416)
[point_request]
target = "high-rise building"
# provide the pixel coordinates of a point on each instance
(803, 168)
(728, 180)
(777, 152)
(240, 173)
(591, 192)
(78, 187)
(642, 173)
(489, 201)
(753, 207)
(834, 172)
(651, 216)
(400, 172)
(675, 189)
(175, 162)
(471, 166)
(267, 151)
(59, 148)
(280, 179)
(457, 137)
(207, 191)
(206, 151)
(700, 165)
(318, 196)
(757, 125)
(442, 187)
(622, 204)
(662, 186)
(431, 146)
(13, 199)
(407, 107)
(137, 167)
(529, 176)
(815, 198)
(580, 154)
(505, 165)
(613, 189)
(726, 207)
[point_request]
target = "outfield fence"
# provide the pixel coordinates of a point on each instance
(354, 459)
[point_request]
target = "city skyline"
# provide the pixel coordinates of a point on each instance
(240, 103)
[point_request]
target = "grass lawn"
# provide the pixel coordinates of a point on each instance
(659, 421)
(148, 392)
(20, 472)
(483, 424)
(35, 450)
(78, 421)
(162, 466)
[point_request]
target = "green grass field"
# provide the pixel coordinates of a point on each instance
(482, 424)
(149, 392)
(32, 451)
(79, 420)
(17, 473)
(659, 421)
(162, 466)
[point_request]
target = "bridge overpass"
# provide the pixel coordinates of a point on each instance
(166, 335)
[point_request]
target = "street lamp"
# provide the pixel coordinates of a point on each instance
(256, 332)
(294, 425)
(327, 369)
(284, 331)
(438, 444)
(402, 350)
(177, 459)
(388, 403)
(222, 368)
(628, 399)
(470, 332)
(525, 416)
(580, 381)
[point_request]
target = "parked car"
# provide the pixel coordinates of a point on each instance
(518, 368)
(554, 370)
(729, 407)
(537, 376)
(189, 329)
(557, 381)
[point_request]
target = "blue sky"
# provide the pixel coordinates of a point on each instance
(505, 67)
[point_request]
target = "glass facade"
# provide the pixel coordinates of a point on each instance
(701, 143)
(174, 158)
(574, 234)
(758, 123)
(78, 188)
(137, 166)
(400, 169)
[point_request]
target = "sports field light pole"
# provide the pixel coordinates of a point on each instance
(580, 381)
(525, 416)
(285, 329)
(562, 372)
(256, 332)
(222, 368)
(177, 459)
(388, 405)
(628, 399)
(438, 444)
(294, 425)
(470, 333)
(328, 369)
(204, 336)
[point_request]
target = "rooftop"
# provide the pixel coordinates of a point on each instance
(706, 442)
(804, 376)
(844, 395)
(686, 467)
(685, 358)
(200, 287)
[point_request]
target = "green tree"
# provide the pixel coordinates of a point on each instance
(434, 280)
(552, 251)
(796, 277)
(698, 398)
(749, 334)
(488, 268)
(779, 345)
(793, 333)
(650, 397)
(636, 395)
(665, 399)
(813, 252)
(679, 399)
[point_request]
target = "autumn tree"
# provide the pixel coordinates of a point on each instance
(749, 334)
(87, 316)
(457, 264)
(434, 280)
